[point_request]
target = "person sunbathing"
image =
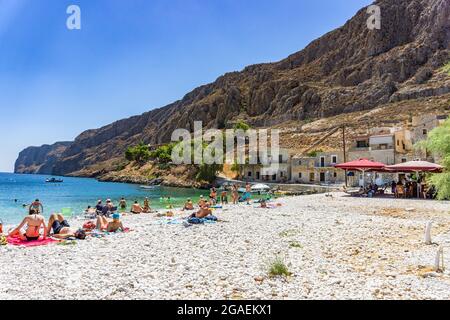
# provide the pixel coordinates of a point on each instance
(136, 208)
(104, 224)
(61, 228)
(33, 222)
(189, 205)
(202, 213)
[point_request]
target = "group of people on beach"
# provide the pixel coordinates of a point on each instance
(34, 226)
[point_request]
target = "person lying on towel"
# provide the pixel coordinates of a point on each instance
(115, 225)
(33, 222)
(62, 229)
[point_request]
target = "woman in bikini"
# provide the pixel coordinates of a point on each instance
(34, 222)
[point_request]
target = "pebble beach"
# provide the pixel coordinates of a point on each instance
(335, 247)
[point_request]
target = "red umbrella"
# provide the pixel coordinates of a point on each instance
(362, 165)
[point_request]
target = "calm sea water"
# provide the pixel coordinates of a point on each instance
(76, 194)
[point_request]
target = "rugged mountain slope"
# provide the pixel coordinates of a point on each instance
(40, 160)
(350, 69)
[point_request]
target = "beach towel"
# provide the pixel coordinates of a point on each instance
(16, 241)
(209, 219)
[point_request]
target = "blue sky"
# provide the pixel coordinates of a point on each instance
(134, 55)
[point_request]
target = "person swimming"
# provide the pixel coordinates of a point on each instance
(37, 207)
(115, 225)
(34, 221)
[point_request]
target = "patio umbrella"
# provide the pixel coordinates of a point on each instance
(260, 187)
(361, 165)
(416, 167)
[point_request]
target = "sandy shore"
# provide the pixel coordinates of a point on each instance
(335, 248)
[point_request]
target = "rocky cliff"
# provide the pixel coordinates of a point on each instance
(40, 160)
(351, 69)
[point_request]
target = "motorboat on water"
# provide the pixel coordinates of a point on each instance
(54, 180)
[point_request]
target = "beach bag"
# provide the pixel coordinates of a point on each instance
(89, 226)
(3, 241)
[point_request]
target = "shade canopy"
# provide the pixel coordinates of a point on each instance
(362, 165)
(415, 166)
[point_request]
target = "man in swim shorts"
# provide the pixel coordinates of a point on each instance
(61, 228)
(34, 222)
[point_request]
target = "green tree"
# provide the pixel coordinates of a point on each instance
(438, 142)
(139, 153)
(241, 125)
(163, 154)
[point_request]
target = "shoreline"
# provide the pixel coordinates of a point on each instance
(336, 248)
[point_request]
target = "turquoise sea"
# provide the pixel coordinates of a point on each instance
(76, 194)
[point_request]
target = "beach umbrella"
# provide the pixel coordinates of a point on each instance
(260, 186)
(416, 167)
(361, 165)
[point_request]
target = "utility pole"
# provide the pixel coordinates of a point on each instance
(345, 153)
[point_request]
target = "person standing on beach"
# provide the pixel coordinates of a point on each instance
(248, 194)
(224, 197)
(37, 207)
(235, 194)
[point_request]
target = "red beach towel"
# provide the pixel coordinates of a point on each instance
(16, 241)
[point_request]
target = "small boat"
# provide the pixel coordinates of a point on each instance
(148, 187)
(54, 180)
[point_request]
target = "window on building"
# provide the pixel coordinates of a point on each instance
(335, 174)
(299, 162)
(299, 175)
(249, 174)
(281, 174)
(398, 142)
(258, 175)
(322, 162)
(424, 132)
(362, 144)
(403, 160)
(280, 158)
(334, 159)
(274, 177)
